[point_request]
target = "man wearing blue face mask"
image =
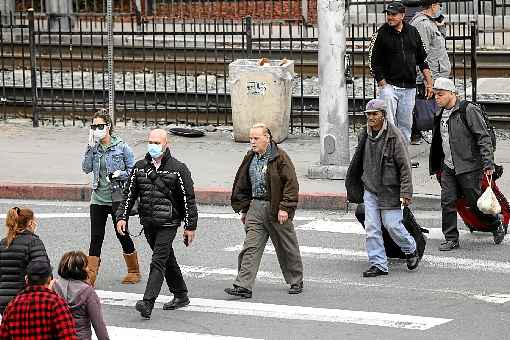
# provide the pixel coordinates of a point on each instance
(167, 198)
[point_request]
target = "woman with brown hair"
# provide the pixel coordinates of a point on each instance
(81, 297)
(19, 247)
(110, 160)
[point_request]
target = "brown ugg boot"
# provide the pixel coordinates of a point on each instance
(93, 269)
(133, 275)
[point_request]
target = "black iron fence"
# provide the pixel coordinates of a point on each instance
(492, 16)
(176, 71)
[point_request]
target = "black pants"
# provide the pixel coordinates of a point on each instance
(98, 217)
(466, 185)
(163, 263)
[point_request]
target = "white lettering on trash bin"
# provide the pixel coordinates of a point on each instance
(256, 88)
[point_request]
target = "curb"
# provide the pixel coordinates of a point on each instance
(211, 196)
(208, 196)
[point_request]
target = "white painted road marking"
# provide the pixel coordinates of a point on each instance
(201, 272)
(431, 260)
(355, 228)
(266, 310)
(200, 215)
(123, 333)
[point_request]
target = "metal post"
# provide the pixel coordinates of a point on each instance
(111, 79)
(304, 11)
(33, 71)
(249, 36)
(474, 63)
(6, 7)
(57, 10)
(333, 109)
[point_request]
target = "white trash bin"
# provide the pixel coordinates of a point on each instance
(261, 94)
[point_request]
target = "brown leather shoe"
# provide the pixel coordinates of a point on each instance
(239, 291)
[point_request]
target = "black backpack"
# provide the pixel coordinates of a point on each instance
(462, 110)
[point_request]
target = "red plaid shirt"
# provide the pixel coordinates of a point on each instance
(37, 313)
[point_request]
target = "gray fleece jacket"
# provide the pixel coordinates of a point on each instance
(435, 45)
(85, 307)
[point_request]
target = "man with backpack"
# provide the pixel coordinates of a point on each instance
(462, 151)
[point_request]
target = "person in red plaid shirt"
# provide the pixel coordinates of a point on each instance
(37, 312)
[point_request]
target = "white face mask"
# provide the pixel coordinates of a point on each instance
(100, 134)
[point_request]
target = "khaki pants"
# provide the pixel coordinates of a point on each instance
(259, 227)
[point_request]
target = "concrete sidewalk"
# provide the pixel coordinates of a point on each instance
(45, 163)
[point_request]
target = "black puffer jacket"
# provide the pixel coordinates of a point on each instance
(26, 247)
(155, 207)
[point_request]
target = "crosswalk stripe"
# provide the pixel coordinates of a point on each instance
(284, 311)
(222, 216)
(354, 227)
(125, 333)
(431, 260)
(201, 272)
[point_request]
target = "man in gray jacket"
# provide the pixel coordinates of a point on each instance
(380, 176)
(461, 152)
(430, 24)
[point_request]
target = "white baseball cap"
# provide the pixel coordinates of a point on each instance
(445, 84)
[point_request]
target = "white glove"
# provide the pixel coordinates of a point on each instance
(92, 140)
(116, 173)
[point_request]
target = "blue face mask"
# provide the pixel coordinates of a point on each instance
(154, 150)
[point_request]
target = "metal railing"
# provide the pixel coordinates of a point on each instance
(492, 16)
(175, 71)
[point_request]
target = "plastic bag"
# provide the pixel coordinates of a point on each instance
(488, 202)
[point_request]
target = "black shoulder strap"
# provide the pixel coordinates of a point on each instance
(153, 176)
(462, 111)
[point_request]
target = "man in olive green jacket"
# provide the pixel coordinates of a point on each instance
(265, 192)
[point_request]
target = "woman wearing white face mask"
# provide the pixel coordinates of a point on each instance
(110, 160)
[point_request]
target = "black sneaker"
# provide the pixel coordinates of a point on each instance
(448, 245)
(239, 291)
(373, 272)
(296, 288)
(499, 234)
(412, 260)
(176, 303)
(145, 308)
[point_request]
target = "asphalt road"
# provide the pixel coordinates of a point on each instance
(462, 294)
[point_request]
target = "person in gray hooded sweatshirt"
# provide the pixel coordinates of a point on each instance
(81, 297)
(430, 23)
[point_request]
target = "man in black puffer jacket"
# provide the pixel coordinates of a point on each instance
(167, 198)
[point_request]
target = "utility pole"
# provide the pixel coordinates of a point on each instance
(333, 108)
(111, 75)
(59, 10)
(7, 7)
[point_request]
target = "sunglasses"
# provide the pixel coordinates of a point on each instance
(98, 126)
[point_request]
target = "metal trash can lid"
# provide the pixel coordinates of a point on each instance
(186, 132)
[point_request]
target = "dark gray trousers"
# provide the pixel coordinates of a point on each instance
(466, 185)
(259, 227)
(163, 263)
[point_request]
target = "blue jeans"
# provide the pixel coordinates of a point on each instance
(392, 220)
(400, 106)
